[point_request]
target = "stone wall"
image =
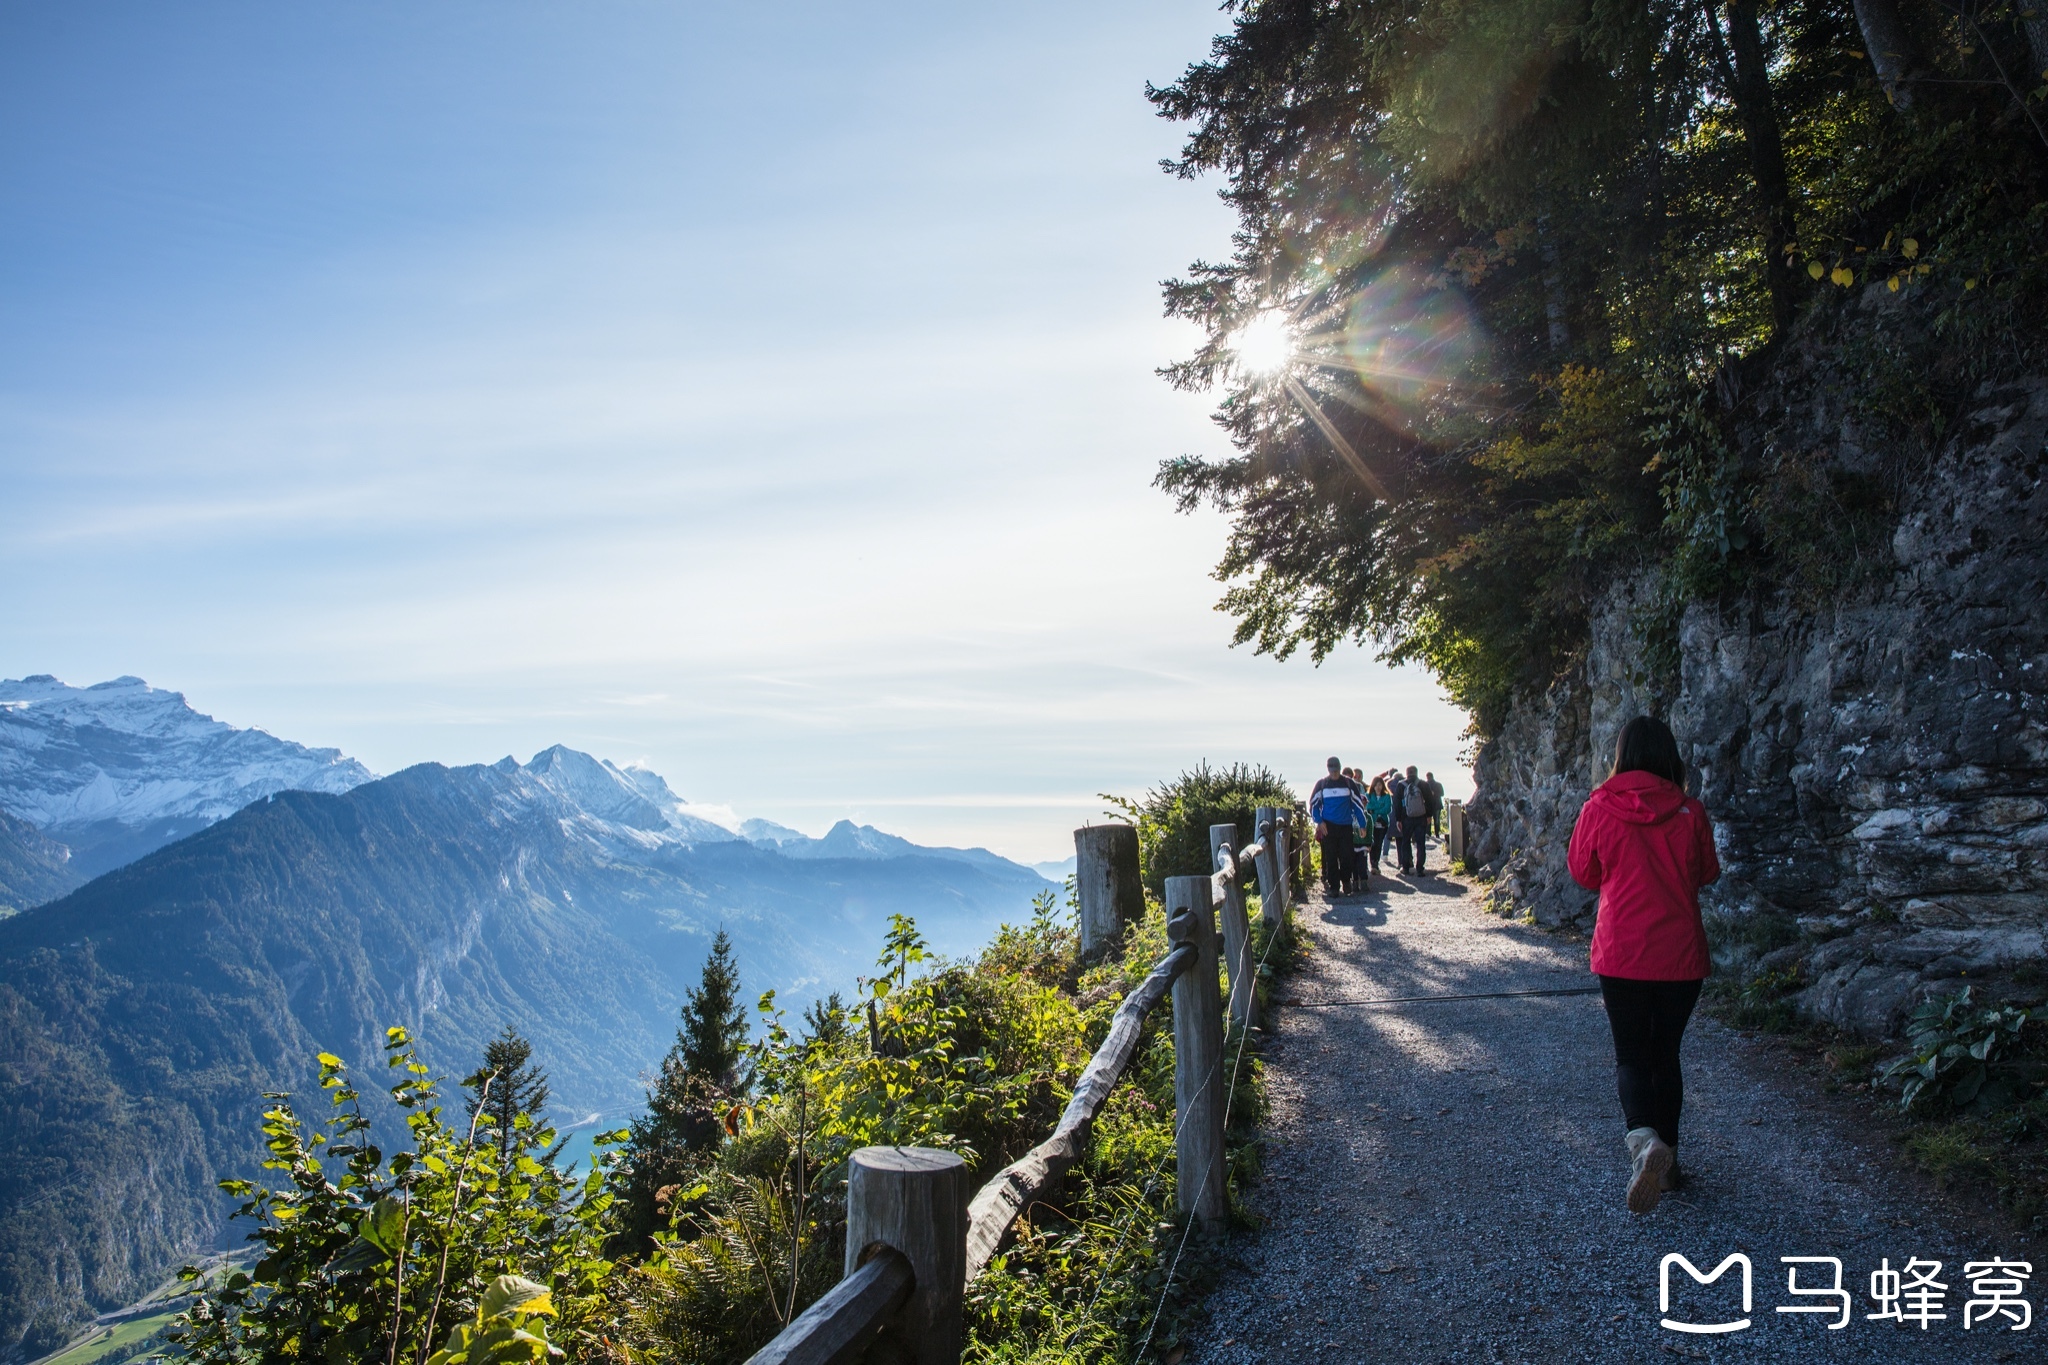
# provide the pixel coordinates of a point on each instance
(1877, 768)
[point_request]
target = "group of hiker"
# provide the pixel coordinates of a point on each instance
(1356, 817)
(1646, 845)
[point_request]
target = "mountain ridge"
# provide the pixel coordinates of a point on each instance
(144, 1015)
(119, 768)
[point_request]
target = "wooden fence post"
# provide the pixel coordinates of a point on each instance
(1272, 872)
(1199, 1084)
(1454, 832)
(1237, 929)
(1286, 854)
(1106, 885)
(914, 1200)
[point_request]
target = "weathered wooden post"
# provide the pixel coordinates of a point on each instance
(1198, 1080)
(1272, 872)
(1106, 885)
(1454, 831)
(1283, 857)
(1237, 929)
(914, 1200)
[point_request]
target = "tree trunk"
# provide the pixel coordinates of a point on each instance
(1749, 87)
(2037, 44)
(1891, 50)
(1553, 286)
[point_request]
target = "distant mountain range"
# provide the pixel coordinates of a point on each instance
(117, 769)
(144, 1013)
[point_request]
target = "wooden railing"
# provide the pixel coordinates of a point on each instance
(914, 1241)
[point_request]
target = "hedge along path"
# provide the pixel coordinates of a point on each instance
(1444, 1170)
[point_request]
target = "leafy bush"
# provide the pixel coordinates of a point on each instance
(978, 1057)
(1173, 819)
(382, 1261)
(1962, 1056)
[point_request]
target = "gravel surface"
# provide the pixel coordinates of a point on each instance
(1445, 1178)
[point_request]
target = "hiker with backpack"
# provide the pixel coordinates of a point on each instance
(1411, 822)
(1647, 848)
(1334, 804)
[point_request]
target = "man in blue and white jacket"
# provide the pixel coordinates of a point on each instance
(1334, 804)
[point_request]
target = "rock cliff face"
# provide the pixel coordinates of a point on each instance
(1877, 767)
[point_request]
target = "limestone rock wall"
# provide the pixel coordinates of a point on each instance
(1877, 769)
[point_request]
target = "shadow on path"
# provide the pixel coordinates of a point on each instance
(1444, 1179)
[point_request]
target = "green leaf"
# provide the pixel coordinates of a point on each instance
(361, 1254)
(383, 1225)
(515, 1294)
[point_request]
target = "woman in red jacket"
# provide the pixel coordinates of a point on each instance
(1647, 848)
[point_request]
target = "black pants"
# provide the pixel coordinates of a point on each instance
(1412, 834)
(1648, 1019)
(1337, 859)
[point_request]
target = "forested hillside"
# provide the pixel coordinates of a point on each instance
(33, 869)
(143, 1017)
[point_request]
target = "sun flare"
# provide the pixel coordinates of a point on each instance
(1265, 344)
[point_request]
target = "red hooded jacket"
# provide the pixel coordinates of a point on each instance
(1647, 848)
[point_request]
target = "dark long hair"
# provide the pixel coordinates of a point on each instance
(1646, 745)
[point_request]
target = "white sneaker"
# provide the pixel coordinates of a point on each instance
(1652, 1158)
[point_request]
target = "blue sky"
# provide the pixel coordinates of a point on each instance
(762, 393)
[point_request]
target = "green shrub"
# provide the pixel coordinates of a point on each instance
(1173, 819)
(364, 1259)
(978, 1057)
(1763, 1002)
(1964, 1057)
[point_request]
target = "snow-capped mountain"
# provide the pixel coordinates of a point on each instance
(120, 768)
(627, 809)
(633, 797)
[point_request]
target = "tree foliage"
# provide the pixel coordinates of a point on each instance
(443, 1253)
(1535, 253)
(977, 1057)
(699, 1080)
(713, 1039)
(517, 1090)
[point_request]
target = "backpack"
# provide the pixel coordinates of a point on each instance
(1415, 801)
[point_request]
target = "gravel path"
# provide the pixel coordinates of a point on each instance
(1444, 1179)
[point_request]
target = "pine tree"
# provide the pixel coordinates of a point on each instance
(701, 1074)
(713, 1037)
(825, 1022)
(516, 1087)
